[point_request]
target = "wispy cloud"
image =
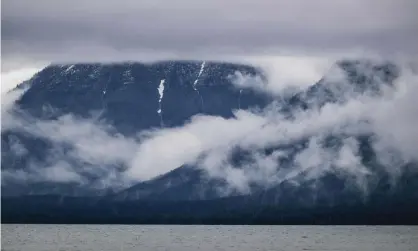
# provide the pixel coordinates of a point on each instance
(12, 78)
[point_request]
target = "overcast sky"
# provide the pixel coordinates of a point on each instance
(35, 33)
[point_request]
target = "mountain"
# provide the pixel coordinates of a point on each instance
(127, 97)
(185, 183)
(128, 94)
(133, 98)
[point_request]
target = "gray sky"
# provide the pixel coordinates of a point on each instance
(35, 33)
(88, 30)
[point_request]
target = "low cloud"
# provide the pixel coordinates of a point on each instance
(209, 141)
(11, 78)
(80, 31)
(284, 71)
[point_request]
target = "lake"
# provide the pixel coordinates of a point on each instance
(225, 238)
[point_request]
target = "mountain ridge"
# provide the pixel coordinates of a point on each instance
(134, 98)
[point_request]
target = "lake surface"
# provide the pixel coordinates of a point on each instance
(187, 238)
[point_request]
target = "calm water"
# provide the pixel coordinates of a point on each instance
(185, 238)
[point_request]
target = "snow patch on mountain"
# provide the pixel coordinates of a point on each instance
(202, 68)
(161, 94)
(69, 68)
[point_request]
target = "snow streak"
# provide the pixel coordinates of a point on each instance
(161, 94)
(239, 99)
(69, 68)
(202, 68)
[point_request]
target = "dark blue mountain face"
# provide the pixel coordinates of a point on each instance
(127, 94)
(133, 97)
(182, 184)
